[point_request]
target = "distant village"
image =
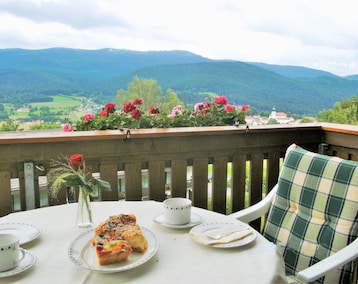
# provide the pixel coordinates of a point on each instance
(274, 118)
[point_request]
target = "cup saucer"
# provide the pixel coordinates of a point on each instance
(194, 220)
(27, 262)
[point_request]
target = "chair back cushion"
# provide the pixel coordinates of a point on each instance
(314, 213)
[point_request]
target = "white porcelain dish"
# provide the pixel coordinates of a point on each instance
(25, 264)
(25, 232)
(194, 220)
(82, 253)
(199, 231)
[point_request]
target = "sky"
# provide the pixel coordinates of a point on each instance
(319, 34)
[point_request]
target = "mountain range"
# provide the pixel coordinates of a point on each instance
(35, 75)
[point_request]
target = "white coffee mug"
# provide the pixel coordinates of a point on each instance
(10, 252)
(177, 211)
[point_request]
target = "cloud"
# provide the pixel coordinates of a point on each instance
(319, 34)
(79, 14)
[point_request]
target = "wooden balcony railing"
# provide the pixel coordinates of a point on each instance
(222, 168)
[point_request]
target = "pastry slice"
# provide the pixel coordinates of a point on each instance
(111, 250)
(125, 227)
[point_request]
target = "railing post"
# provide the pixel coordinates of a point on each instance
(322, 148)
(29, 185)
(5, 193)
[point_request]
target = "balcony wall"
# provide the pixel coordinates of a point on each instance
(249, 157)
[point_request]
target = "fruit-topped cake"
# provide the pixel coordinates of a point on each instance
(110, 249)
(124, 226)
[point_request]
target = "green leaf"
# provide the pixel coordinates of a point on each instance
(70, 179)
(100, 184)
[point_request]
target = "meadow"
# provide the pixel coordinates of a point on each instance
(60, 108)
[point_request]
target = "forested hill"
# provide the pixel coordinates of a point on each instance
(35, 75)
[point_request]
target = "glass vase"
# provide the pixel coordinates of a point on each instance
(84, 213)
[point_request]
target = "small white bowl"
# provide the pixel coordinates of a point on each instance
(177, 210)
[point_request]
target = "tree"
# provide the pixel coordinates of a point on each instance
(145, 89)
(345, 112)
(10, 125)
(172, 100)
(150, 92)
(272, 121)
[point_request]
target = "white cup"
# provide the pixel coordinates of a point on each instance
(177, 210)
(10, 252)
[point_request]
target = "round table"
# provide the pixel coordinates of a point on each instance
(179, 258)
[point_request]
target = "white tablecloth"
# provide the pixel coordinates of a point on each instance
(178, 260)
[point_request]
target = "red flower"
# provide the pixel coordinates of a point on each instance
(136, 114)
(137, 102)
(76, 161)
(222, 100)
(110, 108)
(67, 127)
(154, 110)
(88, 117)
(230, 108)
(104, 113)
(245, 108)
(128, 107)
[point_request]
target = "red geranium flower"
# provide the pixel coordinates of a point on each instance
(67, 127)
(137, 102)
(110, 108)
(154, 110)
(221, 100)
(136, 114)
(245, 108)
(88, 117)
(128, 107)
(104, 113)
(230, 108)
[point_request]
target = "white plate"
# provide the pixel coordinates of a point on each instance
(26, 263)
(201, 229)
(25, 232)
(82, 253)
(194, 220)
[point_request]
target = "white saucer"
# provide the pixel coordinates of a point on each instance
(28, 261)
(195, 220)
(25, 232)
(198, 232)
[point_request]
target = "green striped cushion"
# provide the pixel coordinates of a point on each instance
(314, 213)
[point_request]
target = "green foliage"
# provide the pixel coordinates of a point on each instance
(10, 125)
(306, 120)
(146, 89)
(345, 112)
(45, 126)
(272, 121)
(171, 101)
